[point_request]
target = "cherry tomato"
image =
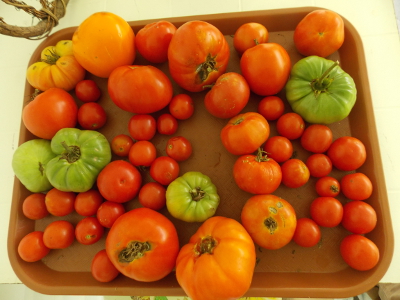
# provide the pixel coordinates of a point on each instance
(142, 153)
(142, 127)
(164, 170)
(356, 186)
(326, 211)
(279, 148)
(319, 164)
(359, 252)
(32, 248)
(179, 148)
(152, 195)
(102, 268)
(181, 106)
(327, 187)
(359, 217)
(294, 173)
(60, 203)
(34, 206)
(167, 124)
(271, 107)
(290, 125)
(347, 153)
(87, 91)
(88, 231)
(307, 233)
(87, 203)
(108, 212)
(59, 234)
(121, 144)
(316, 138)
(92, 116)
(249, 35)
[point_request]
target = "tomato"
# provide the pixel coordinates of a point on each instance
(359, 217)
(307, 233)
(164, 170)
(359, 252)
(327, 186)
(142, 127)
(152, 195)
(32, 248)
(249, 35)
(88, 231)
(326, 211)
(108, 212)
(276, 68)
(321, 32)
(59, 234)
(245, 133)
(294, 173)
(221, 246)
(319, 164)
(102, 268)
(356, 186)
(347, 153)
(179, 148)
(271, 107)
(167, 124)
(121, 144)
(197, 55)
(279, 148)
(87, 91)
(181, 106)
(143, 245)
(87, 203)
(228, 96)
(142, 153)
(316, 138)
(60, 203)
(270, 220)
(290, 125)
(34, 206)
(153, 39)
(119, 181)
(49, 112)
(99, 35)
(92, 116)
(257, 174)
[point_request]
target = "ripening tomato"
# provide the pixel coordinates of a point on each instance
(164, 170)
(142, 127)
(319, 164)
(87, 203)
(356, 186)
(279, 148)
(271, 107)
(142, 153)
(87, 91)
(59, 234)
(359, 252)
(34, 206)
(316, 138)
(359, 217)
(102, 268)
(60, 203)
(327, 186)
(294, 173)
(179, 148)
(109, 212)
(167, 124)
(307, 233)
(152, 195)
(89, 231)
(32, 248)
(347, 153)
(92, 116)
(249, 35)
(290, 125)
(181, 106)
(326, 211)
(121, 144)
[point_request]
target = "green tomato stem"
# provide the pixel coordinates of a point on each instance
(197, 194)
(51, 58)
(321, 84)
(71, 153)
(261, 156)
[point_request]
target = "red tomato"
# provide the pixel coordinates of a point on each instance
(142, 153)
(139, 89)
(359, 252)
(347, 153)
(307, 233)
(197, 55)
(356, 186)
(279, 148)
(60, 203)
(167, 124)
(88, 231)
(108, 212)
(164, 170)
(87, 91)
(32, 248)
(102, 268)
(290, 125)
(245, 133)
(142, 127)
(326, 211)
(87, 203)
(59, 235)
(152, 195)
(228, 96)
(49, 112)
(294, 173)
(34, 206)
(153, 39)
(249, 35)
(359, 217)
(327, 187)
(92, 116)
(271, 107)
(119, 181)
(316, 138)
(276, 67)
(143, 245)
(121, 144)
(181, 106)
(319, 164)
(179, 148)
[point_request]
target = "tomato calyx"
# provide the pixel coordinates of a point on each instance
(51, 58)
(261, 156)
(71, 153)
(207, 67)
(134, 250)
(271, 224)
(321, 84)
(205, 245)
(197, 194)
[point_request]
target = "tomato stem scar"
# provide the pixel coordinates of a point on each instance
(134, 250)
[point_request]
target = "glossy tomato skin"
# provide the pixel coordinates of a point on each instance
(279, 148)
(87, 91)
(194, 47)
(359, 217)
(359, 252)
(181, 106)
(164, 170)
(109, 212)
(179, 148)
(87, 203)
(356, 186)
(142, 127)
(271, 108)
(102, 268)
(316, 138)
(92, 116)
(59, 234)
(32, 248)
(249, 35)
(153, 234)
(60, 203)
(347, 153)
(307, 233)
(326, 211)
(89, 231)
(167, 124)
(327, 186)
(34, 206)
(319, 164)
(142, 153)
(290, 125)
(294, 173)
(152, 195)
(121, 144)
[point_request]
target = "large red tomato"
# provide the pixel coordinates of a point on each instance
(198, 54)
(143, 245)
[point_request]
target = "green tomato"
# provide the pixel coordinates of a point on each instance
(192, 197)
(320, 91)
(81, 155)
(29, 164)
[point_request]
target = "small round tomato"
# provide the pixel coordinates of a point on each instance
(34, 206)
(181, 106)
(108, 212)
(307, 233)
(121, 144)
(87, 91)
(59, 234)
(142, 127)
(294, 173)
(359, 252)
(32, 248)
(87, 203)
(179, 148)
(290, 125)
(164, 170)
(356, 186)
(279, 148)
(326, 211)
(167, 124)
(249, 35)
(316, 138)
(88, 231)
(102, 268)
(142, 153)
(271, 107)
(92, 116)
(347, 153)
(319, 164)
(359, 217)
(60, 203)
(152, 195)
(327, 187)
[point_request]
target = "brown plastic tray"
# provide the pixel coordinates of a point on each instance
(292, 271)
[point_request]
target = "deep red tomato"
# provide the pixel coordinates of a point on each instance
(119, 181)
(279, 148)
(228, 96)
(121, 144)
(142, 127)
(326, 211)
(307, 233)
(60, 203)
(197, 55)
(316, 138)
(88, 231)
(139, 89)
(153, 39)
(276, 68)
(87, 203)
(179, 148)
(167, 124)
(142, 153)
(294, 173)
(92, 116)
(290, 125)
(108, 212)
(32, 248)
(59, 234)
(102, 268)
(249, 35)
(359, 252)
(152, 195)
(347, 153)
(181, 106)
(327, 186)
(356, 186)
(49, 112)
(359, 217)
(34, 206)
(319, 164)
(164, 170)
(271, 107)
(87, 91)
(143, 245)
